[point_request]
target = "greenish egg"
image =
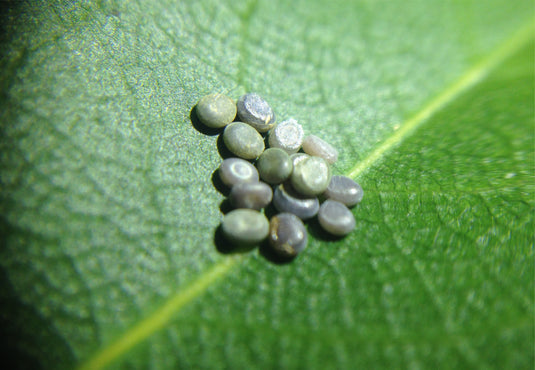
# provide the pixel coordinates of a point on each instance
(274, 166)
(216, 110)
(311, 176)
(245, 227)
(243, 140)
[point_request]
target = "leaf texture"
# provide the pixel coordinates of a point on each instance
(109, 211)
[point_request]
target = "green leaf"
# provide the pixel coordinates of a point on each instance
(109, 211)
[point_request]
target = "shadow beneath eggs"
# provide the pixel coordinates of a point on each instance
(225, 206)
(222, 148)
(270, 211)
(269, 254)
(218, 184)
(314, 229)
(223, 246)
(199, 126)
(265, 137)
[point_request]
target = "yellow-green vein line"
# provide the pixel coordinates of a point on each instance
(160, 317)
(164, 314)
(466, 81)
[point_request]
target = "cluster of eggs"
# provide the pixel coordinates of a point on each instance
(293, 181)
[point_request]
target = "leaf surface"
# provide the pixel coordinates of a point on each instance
(109, 211)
